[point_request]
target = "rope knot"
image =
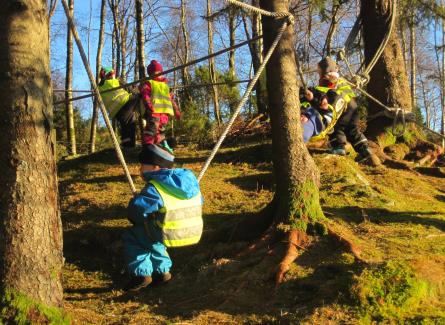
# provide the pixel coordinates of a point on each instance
(290, 18)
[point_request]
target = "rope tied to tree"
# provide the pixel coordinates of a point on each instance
(245, 96)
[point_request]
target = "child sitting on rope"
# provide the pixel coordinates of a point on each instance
(166, 213)
(159, 104)
(334, 93)
(314, 121)
(120, 104)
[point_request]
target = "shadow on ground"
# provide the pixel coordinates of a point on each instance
(237, 286)
(354, 214)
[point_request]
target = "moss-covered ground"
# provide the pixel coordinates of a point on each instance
(396, 217)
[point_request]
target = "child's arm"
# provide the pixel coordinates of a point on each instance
(145, 90)
(144, 204)
(175, 106)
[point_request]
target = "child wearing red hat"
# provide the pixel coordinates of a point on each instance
(159, 105)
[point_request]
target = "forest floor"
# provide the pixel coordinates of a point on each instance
(396, 217)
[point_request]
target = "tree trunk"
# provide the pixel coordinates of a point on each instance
(123, 29)
(296, 201)
(100, 45)
(30, 230)
(212, 70)
(69, 111)
(232, 40)
(403, 40)
(332, 29)
(442, 124)
(389, 82)
(140, 37)
(425, 104)
(257, 59)
(413, 61)
(115, 11)
(185, 37)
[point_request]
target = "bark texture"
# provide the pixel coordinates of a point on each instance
(296, 174)
(31, 232)
(389, 81)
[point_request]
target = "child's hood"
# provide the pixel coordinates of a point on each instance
(180, 182)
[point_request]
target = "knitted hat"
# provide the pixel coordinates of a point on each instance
(327, 65)
(106, 72)
(154, 155)
(154, 67)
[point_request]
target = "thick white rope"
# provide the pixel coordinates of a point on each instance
(258, 10)
(99, 97)
(244, 99)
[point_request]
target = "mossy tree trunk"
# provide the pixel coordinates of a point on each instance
(31, 232)
(296, 200)
(389, 81)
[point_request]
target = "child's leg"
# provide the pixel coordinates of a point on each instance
(338, 138)
(160, 259)
(313, 125)
(136, 256)
(354, 135)
(151, 130)
(163, 121)
(128, 124)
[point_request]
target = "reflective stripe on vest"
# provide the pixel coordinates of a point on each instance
(180, 220)
(113, 100)
(342, 89)
(160, 97)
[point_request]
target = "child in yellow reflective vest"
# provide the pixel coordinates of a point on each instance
(166, 213)
(159, 105)
(120, 104)
(333, 91)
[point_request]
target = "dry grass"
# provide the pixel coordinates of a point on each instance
(390, 214)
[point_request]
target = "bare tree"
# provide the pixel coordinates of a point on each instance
(140, 37)
(185, 37)
(70, 131)
(100, 45)
(412, 54)
(212, 70)
(31, 230)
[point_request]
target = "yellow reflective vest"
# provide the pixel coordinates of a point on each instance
(114, 100)
(160, 97)
(346, 94)
(180, 220)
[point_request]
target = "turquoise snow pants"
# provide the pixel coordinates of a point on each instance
(143, 256)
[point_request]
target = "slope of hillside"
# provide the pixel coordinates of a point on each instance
(396, 217)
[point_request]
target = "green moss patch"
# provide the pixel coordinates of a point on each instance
(19, 309)
(392, 291)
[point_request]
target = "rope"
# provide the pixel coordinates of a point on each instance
(204, 58)
(243, 100)
(99, 97)
(258, 10)
(378, 53)
(387, 109)
(211, 84)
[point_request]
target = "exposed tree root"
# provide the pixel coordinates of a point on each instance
(392, 163)
(267, 239)
(295, 239)
(349, 245)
